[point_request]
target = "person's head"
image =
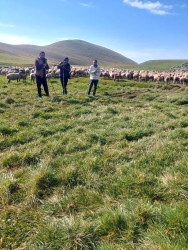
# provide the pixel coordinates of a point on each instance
(42, 54)
(95, 63)
(66, 60)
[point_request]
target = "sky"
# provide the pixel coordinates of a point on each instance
(138, 29)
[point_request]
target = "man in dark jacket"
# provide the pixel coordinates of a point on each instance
(64, 73)
(41, 66)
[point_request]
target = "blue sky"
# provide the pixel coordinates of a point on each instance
(139, 29)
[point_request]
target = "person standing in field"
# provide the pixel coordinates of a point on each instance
(64, 73)
(94, 72)
(41, 66)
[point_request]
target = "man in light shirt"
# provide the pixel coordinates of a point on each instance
(94, 72)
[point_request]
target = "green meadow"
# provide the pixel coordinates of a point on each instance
(105, 172)
(158, 65)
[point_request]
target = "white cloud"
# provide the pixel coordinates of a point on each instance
(183, 6)
(11, 39)
(6, 25)
(86, 4)
(154, 7)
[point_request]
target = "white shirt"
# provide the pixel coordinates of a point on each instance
(93, 75)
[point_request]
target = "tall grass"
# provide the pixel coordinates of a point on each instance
(104, 172)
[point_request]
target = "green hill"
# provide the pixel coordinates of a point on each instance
(158, 65)
(79, 52)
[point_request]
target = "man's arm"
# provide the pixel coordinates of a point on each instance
(68, 68)
(47, 66)
(92, 70)
(59, 65)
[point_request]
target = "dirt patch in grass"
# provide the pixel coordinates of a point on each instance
(171, 87)
(127, 95)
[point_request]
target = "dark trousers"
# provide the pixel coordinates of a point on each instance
(95, 82)
(42, 81)
(64, 81)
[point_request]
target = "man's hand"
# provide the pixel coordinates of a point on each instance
(44, 65)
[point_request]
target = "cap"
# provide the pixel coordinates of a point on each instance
(66, 59)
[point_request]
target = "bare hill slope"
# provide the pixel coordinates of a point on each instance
(79, 52)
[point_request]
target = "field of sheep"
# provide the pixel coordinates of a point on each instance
(83, 172)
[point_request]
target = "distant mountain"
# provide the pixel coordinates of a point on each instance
(79, 52)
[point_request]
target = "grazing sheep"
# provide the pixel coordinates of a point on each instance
(24, 76)
(160, 78)
(136, 76)
(128, 75)
(13, 76)
(144, 76)
(32, 77)
(49, 76)
(184, 80)
(176, 79)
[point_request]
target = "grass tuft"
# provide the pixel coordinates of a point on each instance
(45, 182)
(9, 100)
(5, 130)
(11, 161)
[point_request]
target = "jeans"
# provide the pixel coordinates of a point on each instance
(42, 81)
(95, 82)
(64, 82)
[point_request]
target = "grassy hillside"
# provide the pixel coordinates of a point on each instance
(158, 65)
(109, 172)
(12, 60)
(79, 52)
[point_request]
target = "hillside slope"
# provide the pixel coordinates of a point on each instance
(80, 53)
(159, 65)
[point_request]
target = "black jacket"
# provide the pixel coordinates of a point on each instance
(66, 71)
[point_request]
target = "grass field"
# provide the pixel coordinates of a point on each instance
(79, 172)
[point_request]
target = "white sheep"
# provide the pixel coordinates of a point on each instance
(49, 76)
(32, 77)
(13, 76)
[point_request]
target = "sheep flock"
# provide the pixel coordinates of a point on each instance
(174, 75)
